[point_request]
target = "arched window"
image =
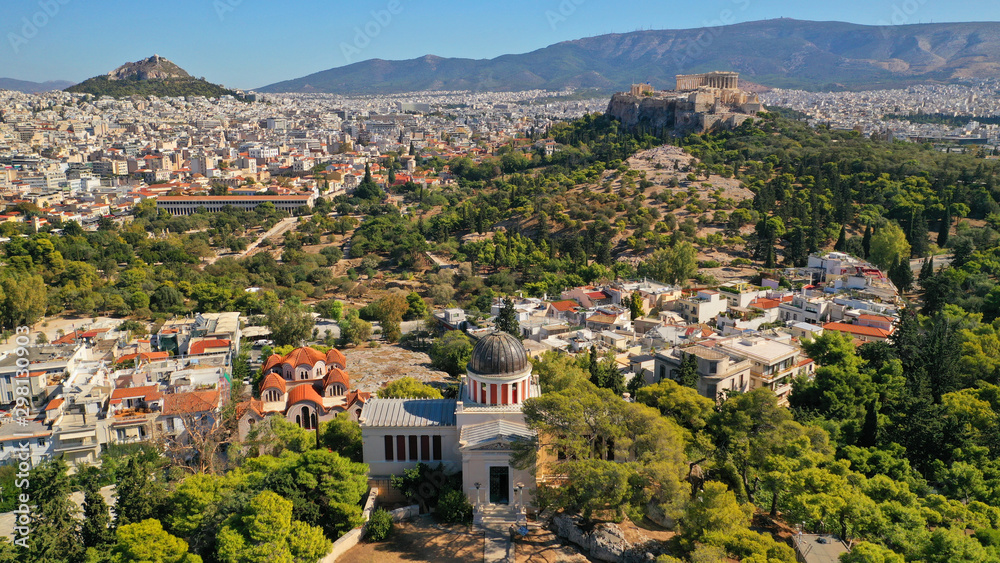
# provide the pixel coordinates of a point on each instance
(308, 419)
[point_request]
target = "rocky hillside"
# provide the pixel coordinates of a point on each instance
(777, 53)
(155, 76)
(153, 68)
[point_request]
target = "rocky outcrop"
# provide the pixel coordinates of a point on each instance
(651, 113)
(606, 542)
(153, 68)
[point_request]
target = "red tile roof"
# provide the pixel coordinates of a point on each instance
(337, 376)
(563, 306)
(304, 356)
(253, 405)
(597, 295)
(202, 345)
(335, 356)
(764, 303)
(148, 356)
(191, 402)
(150, 392)
(53, 404)
(858, 329)
(274, 381)
(304, 393)
(357, 397)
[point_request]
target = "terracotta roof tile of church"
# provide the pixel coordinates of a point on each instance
(304, 393)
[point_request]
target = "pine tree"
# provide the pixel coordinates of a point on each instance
(96, 529)
(54, 534)
(134, 500)
(901, 275)
(841, 240)
(866, 241)
(507, 319)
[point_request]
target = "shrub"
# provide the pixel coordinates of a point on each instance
(379, 525)
(453, 508)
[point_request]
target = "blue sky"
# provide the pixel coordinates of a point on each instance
(251, 43)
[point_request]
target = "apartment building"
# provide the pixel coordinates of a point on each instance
(702, 307)
(719, 370)
(773, 364)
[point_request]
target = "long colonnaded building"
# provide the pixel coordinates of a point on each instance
(188, 205)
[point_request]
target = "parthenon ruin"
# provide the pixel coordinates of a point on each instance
(716, 79)
(700, 102)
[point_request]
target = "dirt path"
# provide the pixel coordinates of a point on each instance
(420, 540)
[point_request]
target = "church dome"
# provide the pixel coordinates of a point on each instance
(498, 354)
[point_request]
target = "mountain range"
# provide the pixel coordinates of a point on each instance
(33, 87)
(784, 53)
(155, 76)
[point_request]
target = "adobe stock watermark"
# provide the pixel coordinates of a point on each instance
(902, 14)
(363, 36)
(563, 11)
(223, 7)
(21, 456)
(30, 25)
(713, 29)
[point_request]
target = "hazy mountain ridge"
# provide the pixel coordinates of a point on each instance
(29, 87)
(777, 53)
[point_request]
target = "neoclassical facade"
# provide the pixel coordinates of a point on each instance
(473, 434)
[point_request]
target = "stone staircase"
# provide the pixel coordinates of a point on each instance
(495, 520)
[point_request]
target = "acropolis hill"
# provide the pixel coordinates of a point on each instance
(701, 102)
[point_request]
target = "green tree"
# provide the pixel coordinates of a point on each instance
(687, 375)
(290, 324)
(889, 245)
(54, 534)
(451, 352)
(408, 388)
(507, 319)
(416, 307)
(148, 542)
(136, 497)
(355, 330)
(265, 531)
(635, 307)
(342, 435)
(901, 275)
(96, 529)
(867, 552)
(672, 265)
(714, 511)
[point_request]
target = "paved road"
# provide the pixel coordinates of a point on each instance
(939, 262)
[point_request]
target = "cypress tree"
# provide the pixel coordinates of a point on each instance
(96, 529)
(841, 240)
(866, 241)
(688, 374)
(927, 269)
(134, 500)
(942, 238)
(507, 319)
